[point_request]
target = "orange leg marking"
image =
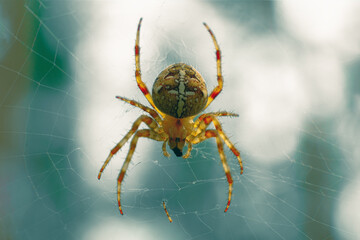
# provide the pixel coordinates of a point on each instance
(230, 181)
(218, 55)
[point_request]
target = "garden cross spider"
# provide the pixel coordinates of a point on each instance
(178, 96)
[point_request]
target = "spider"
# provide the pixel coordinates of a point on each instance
(179, 95)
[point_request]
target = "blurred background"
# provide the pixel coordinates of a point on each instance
(291, 72)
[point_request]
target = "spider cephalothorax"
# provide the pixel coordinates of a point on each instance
(179, 95)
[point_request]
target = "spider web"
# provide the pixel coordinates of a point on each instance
(291, 72)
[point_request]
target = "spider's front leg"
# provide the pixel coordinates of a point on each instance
(220, 80)
(139, 81)
(143, 118)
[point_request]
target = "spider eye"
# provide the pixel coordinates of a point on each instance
(180, 91)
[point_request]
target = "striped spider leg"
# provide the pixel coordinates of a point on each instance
(154, 132)
(201, 134)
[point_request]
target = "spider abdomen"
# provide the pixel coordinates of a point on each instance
(180, 91)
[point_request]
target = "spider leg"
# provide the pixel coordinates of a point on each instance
(214, 133)
(218, 114)
(219, 87)
(204, 122)
(228, 143)
(140, 83)
(167, 213)
(152, 112)
(147, 133)
(166, 154)
(188, 150)
(143, 118)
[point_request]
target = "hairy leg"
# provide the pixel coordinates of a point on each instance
(214, 133)
(219, 87)
(217, 114)
(152, 112)
(147, 133)
(143, 118)
(204, 122)
(140, 83)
